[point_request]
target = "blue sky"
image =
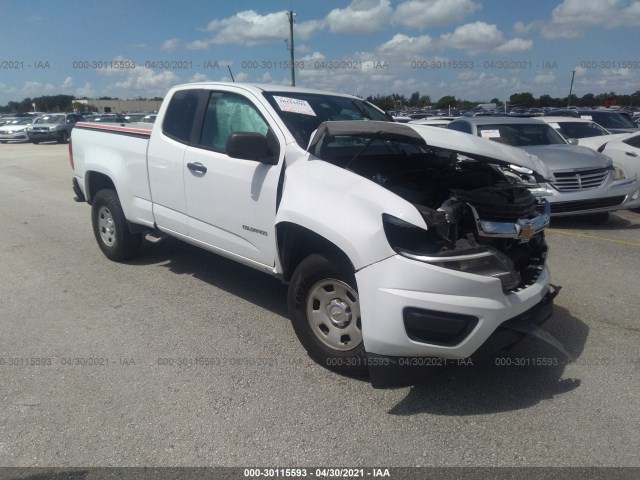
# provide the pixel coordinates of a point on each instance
(472, 49)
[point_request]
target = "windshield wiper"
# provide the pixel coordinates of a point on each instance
(375, 136)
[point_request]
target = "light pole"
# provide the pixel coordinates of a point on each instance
(291, 16)
(573, 74)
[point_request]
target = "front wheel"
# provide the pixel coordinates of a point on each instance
(111, 229)
(325, 311)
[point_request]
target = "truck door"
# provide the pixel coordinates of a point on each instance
(231, 203)
(166, 157)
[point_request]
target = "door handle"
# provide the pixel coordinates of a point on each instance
(631, 154)
(197, 167)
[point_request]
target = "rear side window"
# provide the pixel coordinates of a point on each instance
(181, 114)
(633, 141)
(581, 129)
(460, 127)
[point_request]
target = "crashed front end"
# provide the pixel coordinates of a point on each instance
(468, 280)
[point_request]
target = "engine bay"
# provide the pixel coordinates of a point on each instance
(469, 206)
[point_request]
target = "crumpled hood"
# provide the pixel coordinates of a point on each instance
(463, 143)
(568, 157)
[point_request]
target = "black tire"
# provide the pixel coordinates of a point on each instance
(598, 218)
(64, 138)
(3, 141)
(35, 142)
(111, 229)
(335, 342)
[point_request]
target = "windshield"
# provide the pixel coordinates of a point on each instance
(521, 134)
(50, 119)
(20, 121)
(580, 129)
(612, 120)
(302, 113)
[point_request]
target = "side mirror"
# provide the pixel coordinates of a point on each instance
(250, 146)
(572, 141)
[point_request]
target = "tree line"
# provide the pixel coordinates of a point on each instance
(52, 104)
(65, 103)
(523, 99)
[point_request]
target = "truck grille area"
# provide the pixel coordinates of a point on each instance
(505, 202)
(582, 180)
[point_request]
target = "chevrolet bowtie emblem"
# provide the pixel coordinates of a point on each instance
(527, 232)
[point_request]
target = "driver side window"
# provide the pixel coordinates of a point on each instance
(226, 114)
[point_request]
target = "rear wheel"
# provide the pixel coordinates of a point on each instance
(64, 138)
(111, 229)
(325, 311)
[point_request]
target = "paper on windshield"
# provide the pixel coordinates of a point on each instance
(490, 133)
(586, 117)
(294, 105)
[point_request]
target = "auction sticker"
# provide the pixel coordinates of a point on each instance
(490, 133)
(294, 105)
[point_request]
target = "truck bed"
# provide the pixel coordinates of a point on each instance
(118, 152)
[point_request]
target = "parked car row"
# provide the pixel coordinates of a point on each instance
(607, 117)
(36, 127)
(583, 180)
(15, 130)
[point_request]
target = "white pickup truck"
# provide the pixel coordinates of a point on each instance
(402, 245)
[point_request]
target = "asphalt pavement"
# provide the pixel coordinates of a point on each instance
(184, 358)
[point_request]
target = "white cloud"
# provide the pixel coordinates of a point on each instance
(67, 84)
(544, 78)
(473, 37)
(138, 81)
(250, 28)
(199, 77)
(521, 28)
(170, 45)
(301, 48)
(514, 45)
(580, 71)
(145, 79)
(313, 56)
(198, 45)
(404, 45)
(470, 83)
(36, 89)
(352, 81)
(361, 16)
(86, 90)
(433, 13)
(407, 85)
(572, 18)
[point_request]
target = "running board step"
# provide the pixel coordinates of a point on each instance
(155, 236)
